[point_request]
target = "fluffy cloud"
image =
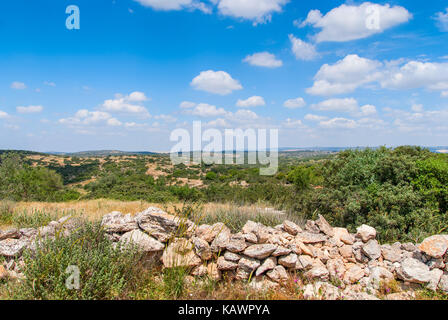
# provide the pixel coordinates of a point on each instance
(85, 117)
(338, 123)
(351, 22)
(187, 105)
(416, 74)
(174, 5)
(430, 121)
(263, 59)
(314, 117)
(346, 105)
(127, 104)
(259, 11)
(255, 101)
(345, 76)
(3, 115)
(301, 49)
(291, 123)
(294, 103)
(18, 85)
(30, 109)
(206, 110)
(442, 20)
(218, 82)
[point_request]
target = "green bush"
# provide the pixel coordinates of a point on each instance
(105, 271)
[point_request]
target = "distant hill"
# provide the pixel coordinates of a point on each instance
(102, 153)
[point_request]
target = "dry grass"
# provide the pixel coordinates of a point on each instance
(96, 209)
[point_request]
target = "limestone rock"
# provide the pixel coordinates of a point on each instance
(202, 248)
(317, 272)
(262, 284)
(342, 235)
(353, 274)
(324, 226)
(248, 264)
(116, 222)
(236, 243)
(366, 232)
(304, 262)
(142, 241)
(436, 275)
(413, 270)
(392, 254)
(209, 233)
(435, 246)
(162, 225)
(260, 251)
(278, 274)
(180, 253)
(312, 238)
(230, 256)
(199, 271)
(291, 227)
(281, 251)
(268, 264)
(372, 249)
(288, 261)
(222, 238)
(12, 247)
(10, 234)
(213, 271)
(224, 265)
(336, 268)
(443, 283)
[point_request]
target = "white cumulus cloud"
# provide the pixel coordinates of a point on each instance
(255, 101)
(352, 22)
(29, 109)
(258, 11)
(217, 82)
(301, 49)
(127, 104)
(294, 103)
(263, 59)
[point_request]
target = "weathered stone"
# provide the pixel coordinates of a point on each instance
(321, 290)
(435, 263)
(260, 251)
(242, 274)
(435, 246)
(230, 256)
(250, 237)
(353, 274)
(392, 254)
(222, 238)
(278, 274)
(249, 264)
(408, 247)
(213, 271)
(443, 283)
(336, 268)
(312, 238)
(10, 234)
(281, 251)
(180, 253)
(366, 232)
(209, 233)
(142, 241)
(204, 232)
(341, 236)
(324, 226)
(304, 262)
(372, 249)
(311, 226)
(116, 222)
(250, 227)
(268, 264)
(236, 244)
(413, 270)
(288, 261)
(12, 247)
(379, 275)
(28, 232)
(436, 275)
(202, 248)
(199, 271)
(162, 225)
(346, 251)
(291, 227)
(317, 272)
(224, 265)
(262, 284)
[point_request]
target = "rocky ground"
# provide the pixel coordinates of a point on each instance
(330, 262)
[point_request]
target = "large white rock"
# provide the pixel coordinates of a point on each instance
(202, 248)
(116, 222)
(372, 249)
(366, 232)
(288, 261)
(142, 241)
(413, 270)
(435, 246)
(324, 226)
(260, 251)
(163, 226)
(268, 264)
(12, 247)
(180, 253)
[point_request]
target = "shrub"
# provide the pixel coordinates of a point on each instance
(105, 271)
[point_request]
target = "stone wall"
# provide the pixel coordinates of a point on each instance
(337, 263)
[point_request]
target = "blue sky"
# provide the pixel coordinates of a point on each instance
(327, 73)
